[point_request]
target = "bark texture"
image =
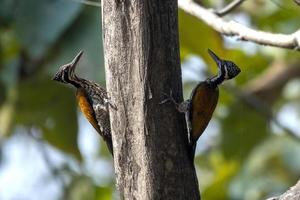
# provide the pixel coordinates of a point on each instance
(142, 61)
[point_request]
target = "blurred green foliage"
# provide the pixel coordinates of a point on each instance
(36, 37)
(248, 159)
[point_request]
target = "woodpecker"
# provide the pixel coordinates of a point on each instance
(92, 99)
(203, 100)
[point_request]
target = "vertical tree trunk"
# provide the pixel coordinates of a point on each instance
(142, 61)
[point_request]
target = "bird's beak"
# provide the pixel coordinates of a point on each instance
(76, 59)
(215, 57)
(57, 76)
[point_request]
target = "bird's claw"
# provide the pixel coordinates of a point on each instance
(169, 97)
(110, 104)
(113, 106)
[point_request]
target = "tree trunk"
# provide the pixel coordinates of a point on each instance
(142, 62)
(292, 194)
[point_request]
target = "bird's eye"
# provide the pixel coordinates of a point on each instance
(65, 76)
(232, 70)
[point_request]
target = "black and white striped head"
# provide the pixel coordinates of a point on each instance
(227, 69)
(66, 73)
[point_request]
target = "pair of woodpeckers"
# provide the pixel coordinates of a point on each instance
(94, 102)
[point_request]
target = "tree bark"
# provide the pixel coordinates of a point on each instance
(292, 194)
(142, 62)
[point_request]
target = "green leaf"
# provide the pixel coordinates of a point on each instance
(7, 110)
(2, 93)
(223, 171)
(87, 39)
(81, 188)
(104, 193)
(242, 129)
(8, 96)
(272, 167)
(6, 13)
(195, 37)
(9, 47)
(274, 16)
(50, 107)
(40, 23)
(250, 65)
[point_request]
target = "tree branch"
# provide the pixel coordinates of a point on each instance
(269, 84)
(232, 28)
(230, 7)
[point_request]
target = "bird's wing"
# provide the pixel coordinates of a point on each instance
(87, 109)
(203, 103)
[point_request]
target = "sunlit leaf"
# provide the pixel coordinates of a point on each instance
(104, 193)
(7, 110)
(9, 46)
(223, 171)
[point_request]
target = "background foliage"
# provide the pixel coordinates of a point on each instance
(46, 144)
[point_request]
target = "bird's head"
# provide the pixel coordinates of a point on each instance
(66, 73)
(227, 69)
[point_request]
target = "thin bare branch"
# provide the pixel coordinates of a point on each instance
(230, 7)
(232, 28)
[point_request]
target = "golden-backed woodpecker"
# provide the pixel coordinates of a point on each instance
(92, 99)
(203, 100)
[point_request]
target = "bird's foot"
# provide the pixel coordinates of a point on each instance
(181, 107)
